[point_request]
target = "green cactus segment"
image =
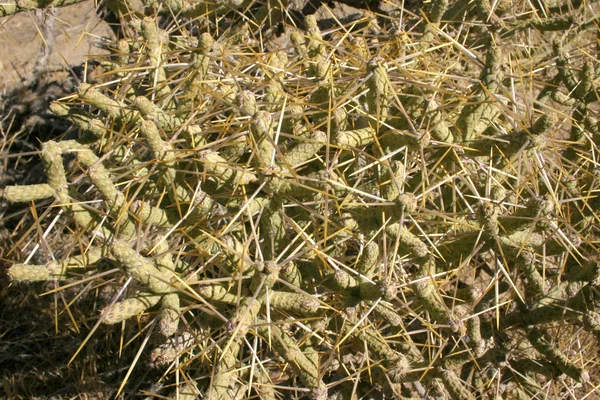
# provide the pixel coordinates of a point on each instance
(408, 240)
(455, 386)
(305, 151)
(272, 225)
(52, 158)
(379, 96)
(396, 362)
(169, 314)
(387, 313)
(367, 265)
(541, 343)
(263, 134)
(113, 108)
(131, 307)
(153, 113)
(152, 37)
(149, 214)
(140, 268)
(355, 138)
(476, 118)
(27, 193)
(102, 180)
(291, 274)
(54, 269)
(287, 347)
(79, 118)
(436, 10)
(427, 293)
(217, 166)
(293, 302)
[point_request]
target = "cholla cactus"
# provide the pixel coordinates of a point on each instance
(414, 209)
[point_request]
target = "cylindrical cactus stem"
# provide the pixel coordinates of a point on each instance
(341, 280)
(291, 185)
(396, 175)
(474, 331)
(361, 54)
(153, 42)
(130, 307)
(55, 172)
(149, 214)
(294, 122)
(427, 293)
(152, 112)
(54, 269)
(123, 51)
(169, 311)
(287, 347)
(291, 274)
(115, 109)
(246, 103)
(387, 313)
(53, 163)
(299, 42)
(405, 204)
(27, 193)
(293, 302)
(408, 239)
(542, 344)
(277, 65)
(378, 290)
(216, 166)
(80, 118)
(475, 118)
(534, 210)
(355, 138)
(436, 11)
(200, 56)
(591, 319)
(102, 180)
(528, 264)
(562, 62)
(454, 385)
(169, 314)
(168, 352)
(265, 275)
(262, 132)
(163, 152)
(189, 391)
(314, 38)
(201, 204)
(305, 150)
(217, 293)
(140, 268)
(274, 96)
(558, 23)
(272, 224)
(380, 92)
(487, 215)
(396, 363)
(369, 261)
(195, 137)
(394, 139)
(437, 123)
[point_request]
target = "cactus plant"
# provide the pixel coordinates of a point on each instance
(415, 209)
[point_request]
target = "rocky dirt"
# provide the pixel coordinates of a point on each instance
(52, 40)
